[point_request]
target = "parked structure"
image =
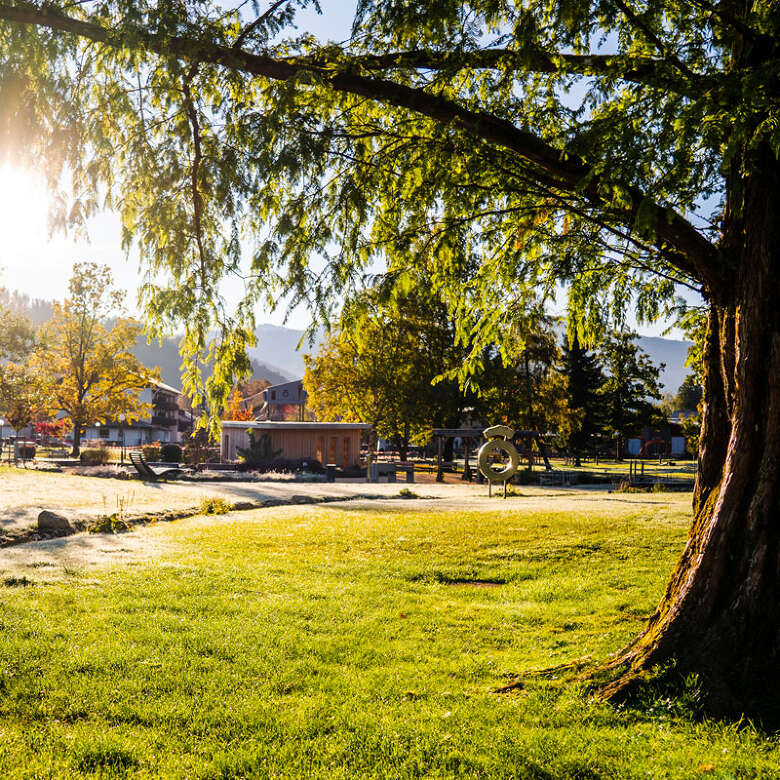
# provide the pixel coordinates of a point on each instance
(327, 442)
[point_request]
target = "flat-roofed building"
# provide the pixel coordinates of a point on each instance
(327, 442)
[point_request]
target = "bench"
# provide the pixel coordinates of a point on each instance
(553, 478)
(150, 473)
(390, 470)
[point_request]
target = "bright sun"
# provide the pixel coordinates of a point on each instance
(24, 204)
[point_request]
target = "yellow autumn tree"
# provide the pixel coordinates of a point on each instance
(85, 363)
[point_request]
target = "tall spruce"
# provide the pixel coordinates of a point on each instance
(630, 386)
(585, 378)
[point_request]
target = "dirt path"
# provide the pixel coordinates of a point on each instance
(85, 496)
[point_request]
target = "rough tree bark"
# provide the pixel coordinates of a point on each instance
(77, 432)
(720, 615)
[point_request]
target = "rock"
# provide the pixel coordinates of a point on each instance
(52, 523)
(241, 506)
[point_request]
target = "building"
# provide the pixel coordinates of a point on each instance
(667, 440)
(326, 442)
(271, 403)
(169, 422)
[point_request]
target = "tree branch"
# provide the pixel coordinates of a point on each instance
(679, 241)
(648, 71)
(197, 158)
(247, 31)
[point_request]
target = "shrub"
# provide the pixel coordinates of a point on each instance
(214, 506)
(108, 524)
(259, 452)
(196, 453)
(170, 453)
(285, 465)
(26, 451)
(96, 456)
(151, 451)
(525, 477)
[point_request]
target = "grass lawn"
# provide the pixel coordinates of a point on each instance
(318, 642)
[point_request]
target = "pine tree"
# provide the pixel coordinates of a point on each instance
(584, 380)
(632, 380)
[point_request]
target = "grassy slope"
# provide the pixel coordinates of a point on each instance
(321, 643)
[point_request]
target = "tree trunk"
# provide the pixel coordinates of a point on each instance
(76, 450)
(720, 615)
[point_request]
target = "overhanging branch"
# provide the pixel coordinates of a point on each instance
(681, 244)
(648, 71)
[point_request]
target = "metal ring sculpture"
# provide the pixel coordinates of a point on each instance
(495, 446)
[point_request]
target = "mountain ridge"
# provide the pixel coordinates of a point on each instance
(277, 356)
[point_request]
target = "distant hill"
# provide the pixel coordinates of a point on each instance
(167, 358)
(278, 347)
(671, 352)
(277, 357)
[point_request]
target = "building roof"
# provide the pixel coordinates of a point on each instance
(290, 425)
(163, 386)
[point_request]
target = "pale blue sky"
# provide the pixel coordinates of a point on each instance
(39, 265)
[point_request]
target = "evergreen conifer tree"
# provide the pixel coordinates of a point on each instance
(584, 380)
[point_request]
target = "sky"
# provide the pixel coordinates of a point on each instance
(39, 264)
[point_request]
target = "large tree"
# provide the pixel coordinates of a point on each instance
(630, 387)
(86, 367)
(522, 384)
(21, 398)
(584, 379)
(622, 147)
(385, 363)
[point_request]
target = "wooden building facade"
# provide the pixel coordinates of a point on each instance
(327, 442)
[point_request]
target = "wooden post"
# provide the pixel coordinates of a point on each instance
(439, 448)
(466, 466)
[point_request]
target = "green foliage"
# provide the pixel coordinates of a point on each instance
(526, 145)
(691, 429)
(631, 383)
(389, 362)
(521, 384)
(260, 451)
(584, 380)
(109, 524)
(689, 394)
(170, 453)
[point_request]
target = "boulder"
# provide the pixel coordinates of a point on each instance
(54, 524)
(241, 506)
